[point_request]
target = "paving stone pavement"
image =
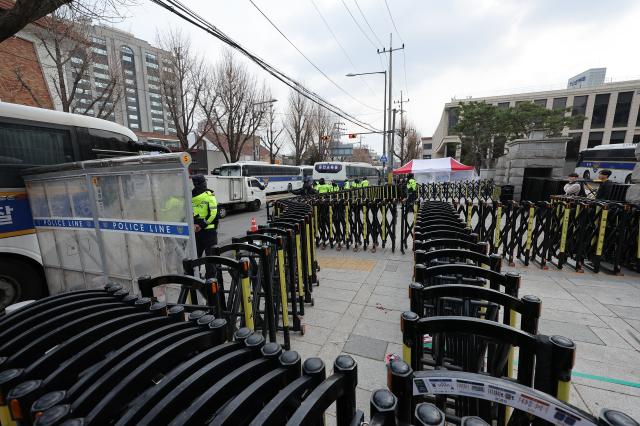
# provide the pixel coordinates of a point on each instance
(361, 296)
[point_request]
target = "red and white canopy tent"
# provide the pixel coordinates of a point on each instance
(437, 169)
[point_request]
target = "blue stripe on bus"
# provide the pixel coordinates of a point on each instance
(279, 178)
(605, 165)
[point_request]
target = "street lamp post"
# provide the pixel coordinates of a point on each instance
(384, 110)
(270, 102)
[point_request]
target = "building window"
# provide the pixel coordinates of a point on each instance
(600, 106)
(521, 102)
(452, 114)
(133, 117)
(617, 136)
(573, 146)
(98, 40)
(153, 78)
(150, 57)
(623, 107)
(636, 138)
(101, 66)
(158, 128)
(541, 102)
(130, 90)
(132, 108)
(427, 146)
(99, 51)
(595, 139)
(155, 95)
(134, 125)
(579, 107)
(503, 104)
(157, 120)
(560, 103)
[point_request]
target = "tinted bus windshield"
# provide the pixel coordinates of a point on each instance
(230, 171)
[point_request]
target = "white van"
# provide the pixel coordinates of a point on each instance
(237, 192)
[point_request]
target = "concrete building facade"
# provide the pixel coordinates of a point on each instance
(612, 112)
(426, 147)
(141, 106)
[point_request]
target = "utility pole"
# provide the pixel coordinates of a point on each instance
(402, 125)
(393, 136)
(390, 51)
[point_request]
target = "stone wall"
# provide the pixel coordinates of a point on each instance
(527, 153)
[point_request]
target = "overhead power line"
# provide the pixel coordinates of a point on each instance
(177, 8)
(393, 22)
(326, 24)
(367, 22)
(309, 60)
(355, 21)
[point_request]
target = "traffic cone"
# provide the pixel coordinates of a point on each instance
(254, 225)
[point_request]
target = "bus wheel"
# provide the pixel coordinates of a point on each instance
(222, 212)
(19, 281)
(586, 175)
(627, 180)
(255, 205)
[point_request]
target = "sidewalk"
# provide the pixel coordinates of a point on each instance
(361, 296)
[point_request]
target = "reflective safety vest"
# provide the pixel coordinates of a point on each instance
(364, 183)
(412, 185)
(173, 209)
(347, 185)
(335, 188)
(205, 208)
(323, 189)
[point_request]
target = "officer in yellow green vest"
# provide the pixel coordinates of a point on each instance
(346, 185)
(205, 218)
(356, 184)
(412, 188)
(334, 187)
(323, 187)
(364, 183)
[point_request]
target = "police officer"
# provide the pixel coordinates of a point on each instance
(323, 188)
(364, 183)
(356, 184)
(412, 189)
(335, 187)
(205, 218)
(346, 185)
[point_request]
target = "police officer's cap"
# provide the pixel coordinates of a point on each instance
(198, 179)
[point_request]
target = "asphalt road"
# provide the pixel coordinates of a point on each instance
(237, 223)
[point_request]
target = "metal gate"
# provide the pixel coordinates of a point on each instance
(113, 219)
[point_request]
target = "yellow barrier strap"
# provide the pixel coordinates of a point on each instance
(309, 270)
(530, 227)
(602, 231)
(564, 390)
(283, 289)
(330, 222)
(246, 304)
(406, 353)
(565, 228)
(299, 263)
(496, 232)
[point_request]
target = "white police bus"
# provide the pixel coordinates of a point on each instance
(32, 137)
(619, 158)
(339, 171)
(275, 177)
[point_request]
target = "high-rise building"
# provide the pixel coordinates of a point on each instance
(140, 105)
(612, 112)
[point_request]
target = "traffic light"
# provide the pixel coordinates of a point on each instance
(352, 135)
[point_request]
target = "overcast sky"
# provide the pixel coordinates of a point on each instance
(453, 48)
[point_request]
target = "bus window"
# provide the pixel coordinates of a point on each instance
(97, 143)
(26, 146)
(230, 171)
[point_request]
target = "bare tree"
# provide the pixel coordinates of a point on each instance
(65, 40)
(299, 125)
(25, 12)
(322, 121)
(272, 134)
(407, 144)
(187, 85)
(239, 109)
